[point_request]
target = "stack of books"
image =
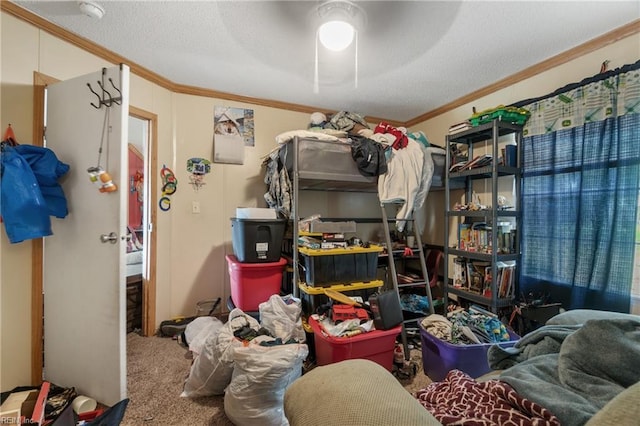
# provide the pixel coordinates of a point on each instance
(459, 127)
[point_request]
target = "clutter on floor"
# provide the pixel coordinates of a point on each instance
(251, 363)
(51, 405)
(176, 326)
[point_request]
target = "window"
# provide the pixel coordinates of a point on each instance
(580, 199)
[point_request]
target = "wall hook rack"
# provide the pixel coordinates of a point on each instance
(105, 98)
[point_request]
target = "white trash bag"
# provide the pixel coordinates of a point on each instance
(281, 317)
(261, 375)
(199, 331)
(211, 371)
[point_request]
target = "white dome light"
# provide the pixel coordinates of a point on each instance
(336, 35)
(91, 9)
(338, 24)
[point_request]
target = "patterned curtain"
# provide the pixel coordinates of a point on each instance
(580, 192)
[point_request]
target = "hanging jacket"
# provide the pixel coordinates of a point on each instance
(25, 209)
(47, 169)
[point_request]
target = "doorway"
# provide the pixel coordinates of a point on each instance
(142, 216)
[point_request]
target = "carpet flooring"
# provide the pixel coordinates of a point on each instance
(156, 370)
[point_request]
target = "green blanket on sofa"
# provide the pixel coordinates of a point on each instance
(573, 369)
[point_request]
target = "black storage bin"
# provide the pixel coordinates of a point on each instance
(257, 240)
(325, 267)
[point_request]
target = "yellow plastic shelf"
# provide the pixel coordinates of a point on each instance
(341, 287)
(340, 250)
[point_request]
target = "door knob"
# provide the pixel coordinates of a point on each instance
(111, 238)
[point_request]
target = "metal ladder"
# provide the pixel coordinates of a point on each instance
(393, 272)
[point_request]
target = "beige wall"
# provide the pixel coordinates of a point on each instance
(191, 247)
(199, 242)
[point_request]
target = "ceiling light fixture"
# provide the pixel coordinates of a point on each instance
(336, 35)
(338, 24)
(91, 9)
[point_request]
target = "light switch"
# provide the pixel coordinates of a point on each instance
(195, 207)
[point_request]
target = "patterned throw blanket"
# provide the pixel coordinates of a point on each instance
(460, 400)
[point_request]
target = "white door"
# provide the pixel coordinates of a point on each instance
(84, 277)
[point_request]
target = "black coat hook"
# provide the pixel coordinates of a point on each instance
(119, 98)
(99, 99)
(106, 100)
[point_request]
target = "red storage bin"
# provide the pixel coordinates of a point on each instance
(376, 345)
(254, 283)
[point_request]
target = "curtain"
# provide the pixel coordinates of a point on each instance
(580, 192)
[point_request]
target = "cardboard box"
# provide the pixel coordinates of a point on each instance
(25, 406)
(319, 226)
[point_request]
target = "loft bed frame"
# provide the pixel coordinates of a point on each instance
(327, 165)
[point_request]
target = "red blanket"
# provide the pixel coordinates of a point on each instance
(460, 400)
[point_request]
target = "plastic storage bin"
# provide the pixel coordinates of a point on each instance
(326, 267)
(509, 114)
(439, 357)
(257, 240)
(254, 283)
(377, 346)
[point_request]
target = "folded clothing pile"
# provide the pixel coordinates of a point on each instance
(471, 326)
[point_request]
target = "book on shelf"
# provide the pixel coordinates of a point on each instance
(460, 165)
(505, 279)
(464, 236)
(459, 273)
(475, 237)
(479, 161)
(476, 276)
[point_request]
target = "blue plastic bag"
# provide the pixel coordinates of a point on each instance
(23, 207)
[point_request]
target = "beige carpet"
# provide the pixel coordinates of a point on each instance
(157, 368)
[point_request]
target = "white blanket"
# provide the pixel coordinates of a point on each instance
(408, 179)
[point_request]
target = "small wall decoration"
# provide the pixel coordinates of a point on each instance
(233, 129)
(198, 167)
(169, 187)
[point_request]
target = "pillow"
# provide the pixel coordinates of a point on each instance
(580, 316)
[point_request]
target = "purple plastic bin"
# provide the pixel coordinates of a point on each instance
(439, 357)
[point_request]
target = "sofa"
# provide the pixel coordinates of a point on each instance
(352, 392)
(361, 392)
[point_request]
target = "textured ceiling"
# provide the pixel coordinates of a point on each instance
(413, 56)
